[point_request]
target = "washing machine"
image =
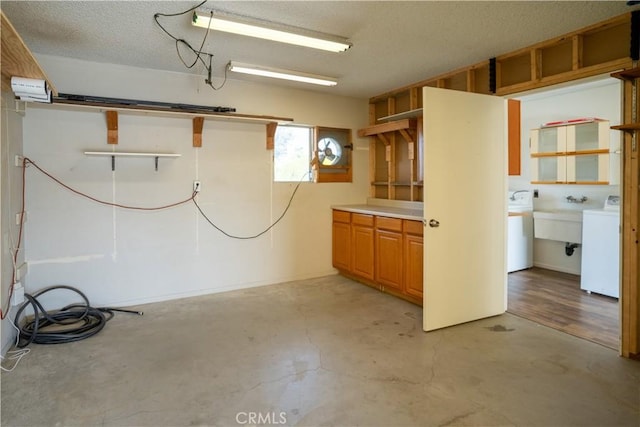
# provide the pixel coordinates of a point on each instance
(520, 231)
(600, 272)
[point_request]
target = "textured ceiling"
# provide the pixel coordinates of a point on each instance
(395, 43)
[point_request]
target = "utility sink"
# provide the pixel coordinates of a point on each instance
(560, 225)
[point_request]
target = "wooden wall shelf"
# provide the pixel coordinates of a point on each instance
(157, 111)
(17, 59)
(631, 127)
(404, 115)
(393, 126)
(112, 110)
(631, 74)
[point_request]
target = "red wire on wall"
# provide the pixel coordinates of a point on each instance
(26, 162)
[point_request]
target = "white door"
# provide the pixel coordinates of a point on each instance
(465, 192)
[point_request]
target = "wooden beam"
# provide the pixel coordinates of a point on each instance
(577, 52)
(112, 127)
(536, 64)
(271, 134)
(372, 114)
(592, 70)
(372, 152)
(390, 155)
(629, 296)
(383, 138)
(387, 127)
(372, 167)
(407, 137)
(197, 131)
(413, 99)
(471, 80)
(391, 106)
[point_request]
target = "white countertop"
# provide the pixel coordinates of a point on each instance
(388, 211)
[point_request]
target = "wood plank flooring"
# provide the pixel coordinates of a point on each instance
(554, 299)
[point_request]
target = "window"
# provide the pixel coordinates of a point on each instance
(292, 153)
(319, 154)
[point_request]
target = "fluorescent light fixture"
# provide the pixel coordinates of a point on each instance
(258, 70)
(219, 21)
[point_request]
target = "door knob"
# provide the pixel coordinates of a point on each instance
(434, 223)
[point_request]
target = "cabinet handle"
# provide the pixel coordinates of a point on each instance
(434, 223)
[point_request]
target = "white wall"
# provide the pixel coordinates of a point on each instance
(601, 98)
(120, 257)
(11, 185)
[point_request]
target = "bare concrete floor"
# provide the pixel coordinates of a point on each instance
(327, 352)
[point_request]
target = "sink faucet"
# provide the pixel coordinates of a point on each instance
(572, 199)
(513, 195)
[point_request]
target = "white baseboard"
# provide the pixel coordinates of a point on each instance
(209, 291)
(556, 268)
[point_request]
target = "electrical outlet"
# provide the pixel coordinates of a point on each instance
(535, 194)
(20, 216)
(22, 271)
(18, 294)
(19, 161)
(197, 186)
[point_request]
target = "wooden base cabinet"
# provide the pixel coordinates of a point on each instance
(389, 252)
(362, 246)
(382, 252)
(413, 258)
(341, 242)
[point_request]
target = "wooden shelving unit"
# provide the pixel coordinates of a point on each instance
(401, 170)
(17, 60)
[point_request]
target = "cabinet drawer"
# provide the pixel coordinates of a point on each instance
(392, 224)
(413, 227)
(341, 216)
(361, 219)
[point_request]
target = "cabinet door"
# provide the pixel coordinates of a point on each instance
(513, 131)
(548, 162)
(588, 169)
(549, 140)
(588, 136)
(362, 253)
(549, 169)
(389, 259)
(413, 268)
(342, 246)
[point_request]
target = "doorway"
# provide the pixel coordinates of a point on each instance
(554, 299)
(550, 293)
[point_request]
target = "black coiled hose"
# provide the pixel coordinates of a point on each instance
(74, 322)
